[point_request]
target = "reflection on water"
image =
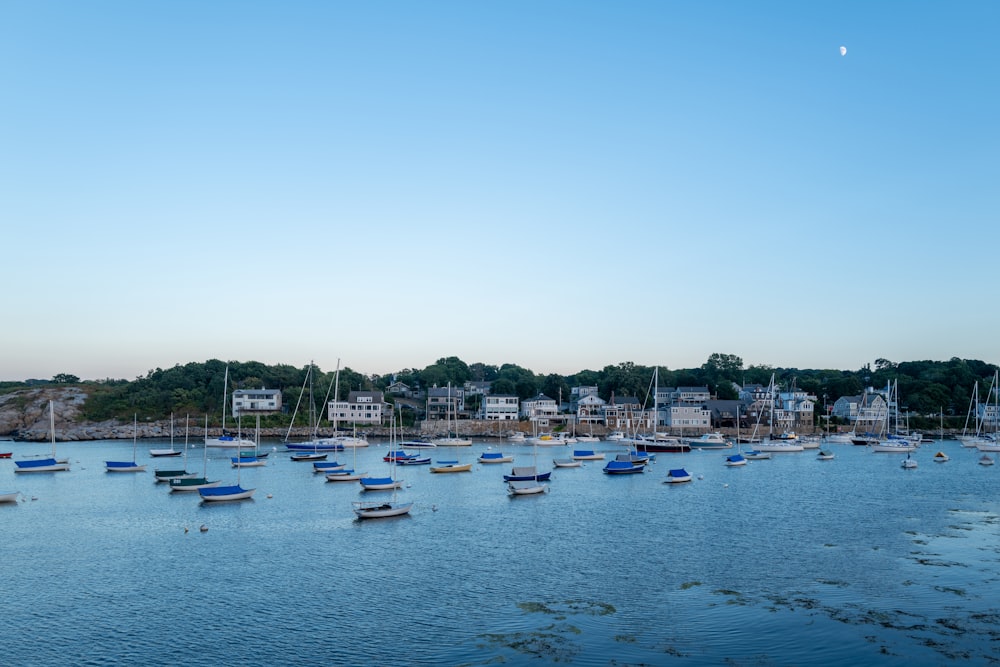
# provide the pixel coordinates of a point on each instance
(787, 561)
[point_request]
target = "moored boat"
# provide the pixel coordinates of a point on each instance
(525, 488)
(451, 466)
(495, 457)
(677, 476)
(735, 460)
(708, 441)
(617, 467)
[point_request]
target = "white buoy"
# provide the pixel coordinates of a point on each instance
(270, 496)
(203, 528)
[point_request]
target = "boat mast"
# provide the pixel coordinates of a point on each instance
(225, 389)
(52, 427)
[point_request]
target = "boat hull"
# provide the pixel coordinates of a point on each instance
(381, 510)
(191, 484)
(123, 466)
(452, 467)
(525, 488)
(42, 465)
(220, 494)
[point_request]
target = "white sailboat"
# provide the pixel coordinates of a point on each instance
(772, 444)
(127, 466)
(171, 451)
(381, 509)
(225, 440)
(891, 442)
(990, 442)
(452, 439)
(250, 459)
(186, 484)
(165, 475)
(527, 487)
(50, 464)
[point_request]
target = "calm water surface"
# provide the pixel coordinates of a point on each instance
(782, 562)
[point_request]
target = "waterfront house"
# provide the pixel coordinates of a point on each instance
(442, 402)
(538, 408)
(499, 408)
(589, 409)
(361, 407)
(255, 401)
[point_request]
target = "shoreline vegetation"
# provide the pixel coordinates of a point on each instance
(937, 396)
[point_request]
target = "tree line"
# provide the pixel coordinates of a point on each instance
(926, 388)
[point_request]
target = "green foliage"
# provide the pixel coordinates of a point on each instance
(926, 388)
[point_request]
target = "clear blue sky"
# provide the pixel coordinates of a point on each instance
(558, 184)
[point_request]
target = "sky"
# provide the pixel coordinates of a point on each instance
(559, 184)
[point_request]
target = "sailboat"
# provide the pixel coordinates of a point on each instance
(773, 443)
(182, 484)
(251, 459)
(165, 475)
(659, 442)
(50, 464)
(528, 473)
(379, 509)
(677, 476)
(226, 493)
(344, 474)
(451, 439)
(127, 466)
(893, 443)
(171, 451)
(990, 442)
(225, 440)
(527, 487)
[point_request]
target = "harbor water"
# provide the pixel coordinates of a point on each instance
(788, 561)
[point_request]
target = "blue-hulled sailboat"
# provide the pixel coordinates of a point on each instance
(127, 466)
(50, 464)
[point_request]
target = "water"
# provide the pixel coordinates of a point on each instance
(782, 562)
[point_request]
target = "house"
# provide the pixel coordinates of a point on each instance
(399, 389)
(627, 413)
(724, 413)
(476, 388)
(794, 411)
(590, 409)
(256, 401)
(361, 407)
(499, 408)
(445, 403)
(865, 412)
(540, 407)
(686, 416)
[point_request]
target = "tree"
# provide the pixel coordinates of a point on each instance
(65, 378)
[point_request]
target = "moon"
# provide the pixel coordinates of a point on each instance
(843, 50)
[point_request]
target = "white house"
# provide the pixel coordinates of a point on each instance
(499, 408)
(256, 401)
(361, 407)
(540, 407)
